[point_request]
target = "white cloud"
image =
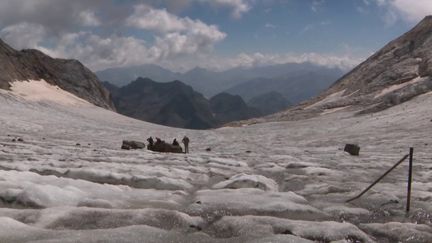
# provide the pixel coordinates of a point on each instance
(24, 35)
(239, 7)
(310, 27)
(55, 15)
(160, 20)
(175, 35)
(256, 59)
(168, 50)
(270, 26)
(88, 18)
(381, 2)
(100, 53)
(148, 18)
(408, 10)
(366, 2)
(413, 11)
(390, 17)
(247, 60)
(178, 43)
(94, 51)
(316, 5)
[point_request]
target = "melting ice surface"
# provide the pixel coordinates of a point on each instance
(68, 180)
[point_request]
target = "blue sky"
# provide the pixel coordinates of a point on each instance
(216, 34)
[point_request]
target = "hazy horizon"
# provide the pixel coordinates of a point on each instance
(217, 35)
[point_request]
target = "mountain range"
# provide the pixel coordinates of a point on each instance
(177, 104)
(304, 79)
(125, 75)
(295, 86)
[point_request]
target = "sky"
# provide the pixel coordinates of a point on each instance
(214, 34)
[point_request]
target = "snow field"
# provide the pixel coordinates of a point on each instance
(272, 182)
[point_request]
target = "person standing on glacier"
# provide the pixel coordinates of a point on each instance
(185, 141)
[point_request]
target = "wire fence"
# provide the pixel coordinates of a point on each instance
(408, 201)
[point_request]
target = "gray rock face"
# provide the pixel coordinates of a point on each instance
(398, 72)
(69, 75)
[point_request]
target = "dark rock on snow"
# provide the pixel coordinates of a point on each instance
(127, 145)
(352, 149)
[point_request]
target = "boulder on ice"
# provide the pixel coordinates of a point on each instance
(132, 145)
(352, 149)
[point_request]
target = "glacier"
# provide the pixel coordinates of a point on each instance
(64, 178)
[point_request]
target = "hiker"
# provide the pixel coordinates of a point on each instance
(158, 140)
(185, 141)
(150, 140)
(175, 143)
(150, 146)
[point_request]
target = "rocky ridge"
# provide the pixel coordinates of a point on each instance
(69, 75)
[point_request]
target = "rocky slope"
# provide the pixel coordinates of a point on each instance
(398, 72)
(69, 75)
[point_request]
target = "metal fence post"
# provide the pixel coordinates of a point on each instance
(377, 180)
(409, 179)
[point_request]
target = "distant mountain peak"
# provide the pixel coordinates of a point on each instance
(122, 76)
(198, 71)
